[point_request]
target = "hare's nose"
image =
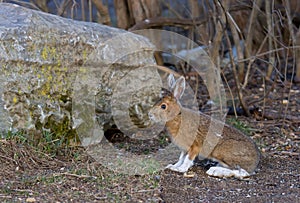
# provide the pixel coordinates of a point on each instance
(150, 115)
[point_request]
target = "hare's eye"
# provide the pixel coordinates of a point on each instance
(163, 106)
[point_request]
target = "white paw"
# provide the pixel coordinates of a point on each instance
(241, 173)
(184, 167)
(181, 169)
(176, 168)
(170, 166)
(221, 172)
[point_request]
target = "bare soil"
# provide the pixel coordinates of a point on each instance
(28, 175)
(83, 180)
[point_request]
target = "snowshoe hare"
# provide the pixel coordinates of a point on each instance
(236, 153)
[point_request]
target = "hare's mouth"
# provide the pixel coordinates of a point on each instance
(151, 117)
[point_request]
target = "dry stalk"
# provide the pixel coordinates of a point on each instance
(251, 60)
(90, 10)
(236, 37)
(297, 76)
(236, 79)
(231, 94)
(217, 41)
(83, 10)
(73, 7)
(293, 40)
(61, 8)
(249, 38)
(270, 35)
(103, 14)
(195, 9)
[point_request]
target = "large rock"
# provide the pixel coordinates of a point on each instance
(47, 61)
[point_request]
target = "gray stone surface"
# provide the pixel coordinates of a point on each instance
(47, 61)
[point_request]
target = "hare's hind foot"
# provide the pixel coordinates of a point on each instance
(222, 172)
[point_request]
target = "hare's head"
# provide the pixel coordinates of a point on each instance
(168, 107)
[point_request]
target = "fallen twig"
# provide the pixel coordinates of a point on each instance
(286, 153)
(74, 175)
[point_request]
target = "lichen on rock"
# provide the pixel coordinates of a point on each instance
(42, 55)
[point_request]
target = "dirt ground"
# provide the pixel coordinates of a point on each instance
(28, 175)
(83, 180)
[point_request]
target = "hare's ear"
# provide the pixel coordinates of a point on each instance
(171, 81)
(179, 87)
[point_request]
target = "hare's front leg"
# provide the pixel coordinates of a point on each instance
(183, 164)
(179, 162)
(184, 167)
(188, 159)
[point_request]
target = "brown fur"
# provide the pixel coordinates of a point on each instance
(234, 150)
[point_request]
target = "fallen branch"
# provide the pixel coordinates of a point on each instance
(162, 21)
(167, 70)
(275, 116)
